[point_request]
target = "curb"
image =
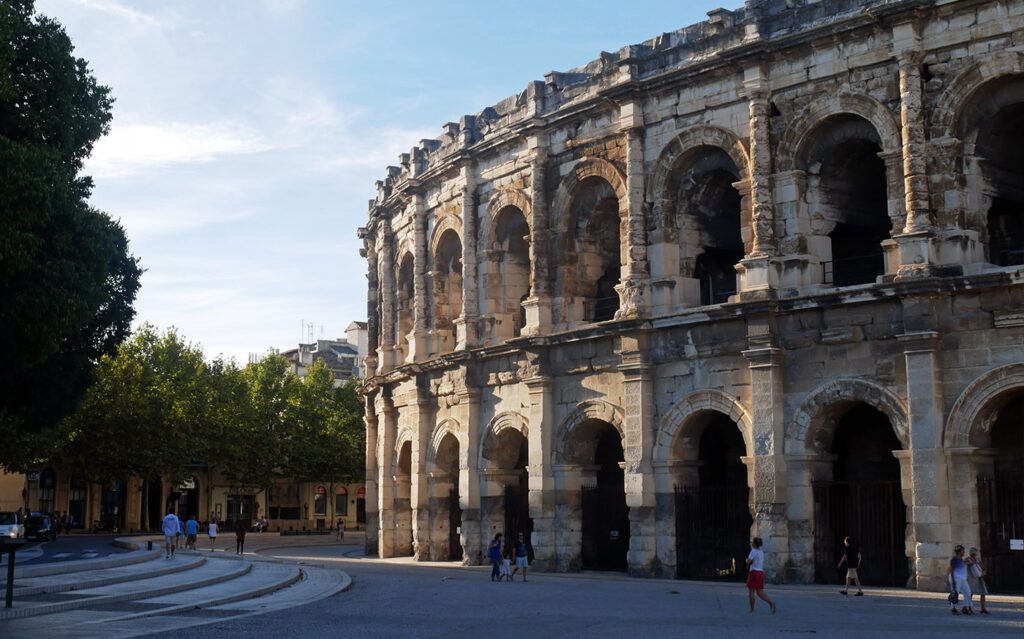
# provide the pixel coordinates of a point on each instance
(81, 565)
(106, 581)
(46, 609)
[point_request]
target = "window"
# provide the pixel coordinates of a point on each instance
(341, 501)
(320, 502)
(47, 491)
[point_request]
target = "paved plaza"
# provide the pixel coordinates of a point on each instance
(401, 598)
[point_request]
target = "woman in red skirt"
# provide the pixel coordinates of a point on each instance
(755, 577)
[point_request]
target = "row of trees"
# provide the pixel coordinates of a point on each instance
(158, 408)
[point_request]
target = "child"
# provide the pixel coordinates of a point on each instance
(755, 578)
(506, 565)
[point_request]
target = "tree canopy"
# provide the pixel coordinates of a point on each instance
(67, 280)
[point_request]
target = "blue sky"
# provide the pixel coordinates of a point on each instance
(247, 136)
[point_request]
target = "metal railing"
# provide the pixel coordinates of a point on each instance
(849, 271)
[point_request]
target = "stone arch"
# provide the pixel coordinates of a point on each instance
(586, 168)
(816, 418)
(689, 139)
(448, 426)
(597, 409)
(799, 134)
(948, 110)
(498, 424)
(509, 197)
(444, 223)
(697, 402)
(404, 436)
(976, 409)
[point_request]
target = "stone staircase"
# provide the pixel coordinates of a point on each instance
(193, 588)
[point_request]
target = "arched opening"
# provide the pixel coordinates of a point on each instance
(862, 500)
(405, 306)
(708, 209)
(445, 505)
(505, 505)
(592, 260)
(78, 495)
(447, 293)
(713, 519)
(188, 499)
(403, 502)
(112, 501)
(1001, 498)
(47, 491)
(849, 198)
(997, 113)
(508, 272)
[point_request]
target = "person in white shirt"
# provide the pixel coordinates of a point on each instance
(755, 576)
(170, 528)
(213, 535)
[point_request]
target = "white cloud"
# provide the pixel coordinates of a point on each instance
(135, 148)
(114, 8)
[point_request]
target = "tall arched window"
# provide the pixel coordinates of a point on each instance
(508, 272)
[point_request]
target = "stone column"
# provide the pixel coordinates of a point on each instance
(387, 427)
(372, 514)
(568, 480)
(469, 475)
(538, 304)
(467, 328)
(417, 339)
(419, 493)
(924, 463)
(636, 275)
(638, 392)
(804, 470)
(767, 477)
(758, 272)
(403, 516)
(373, 317)
(541, 477)
(386, 251)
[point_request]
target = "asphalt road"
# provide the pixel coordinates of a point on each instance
(70, 548)
(403, 600)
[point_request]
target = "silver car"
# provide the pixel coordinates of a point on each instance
(12, 525)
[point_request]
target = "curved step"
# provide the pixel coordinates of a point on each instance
(103, 577)
(207, 574)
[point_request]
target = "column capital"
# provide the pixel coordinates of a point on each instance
(919, 341)
(764, 357)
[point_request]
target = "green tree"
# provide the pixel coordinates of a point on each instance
(67, 280)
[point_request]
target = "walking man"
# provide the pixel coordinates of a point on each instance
(851, 557)
(170, 528)
(958, 579)
(521, 559)
(213, 535)
(191, 529)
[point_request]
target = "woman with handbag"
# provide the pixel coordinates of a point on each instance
(976, 578)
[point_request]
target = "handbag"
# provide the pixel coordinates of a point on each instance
(954, 596)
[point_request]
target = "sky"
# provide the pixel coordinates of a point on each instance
(247, 135)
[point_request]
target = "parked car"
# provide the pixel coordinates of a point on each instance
(12, 525)
(39, 526)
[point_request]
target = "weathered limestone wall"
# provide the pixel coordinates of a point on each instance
(744, 168)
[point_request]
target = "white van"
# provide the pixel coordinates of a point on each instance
(12, 525)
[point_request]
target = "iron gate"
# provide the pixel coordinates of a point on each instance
(873, 514)
(605, 528)
(517, 519)
(712, 532)
(1001, 518)
(454, 526)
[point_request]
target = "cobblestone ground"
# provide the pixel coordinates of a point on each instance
(397, 598)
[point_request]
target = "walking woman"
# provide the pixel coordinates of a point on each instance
(240, 538)
(755, 578)
(494, 552)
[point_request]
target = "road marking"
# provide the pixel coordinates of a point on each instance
(61, 555)
(90, 555)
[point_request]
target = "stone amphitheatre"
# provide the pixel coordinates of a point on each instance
(758, 276)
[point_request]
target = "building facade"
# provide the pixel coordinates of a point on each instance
(758, 276)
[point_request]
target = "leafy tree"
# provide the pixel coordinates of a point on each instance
(67, 281)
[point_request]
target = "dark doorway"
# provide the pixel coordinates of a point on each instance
(77, 496)
(517, 515)
(155, 503)
(188, 499)
(605, 514)
(863, 500)
(713, 518)
(112, 505)
(454, 525)
(1001, 501)
(240, 509)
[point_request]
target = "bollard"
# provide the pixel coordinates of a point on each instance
(149, 545)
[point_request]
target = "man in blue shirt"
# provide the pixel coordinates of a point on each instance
(191, 528)
(958, 579)
(170, 528)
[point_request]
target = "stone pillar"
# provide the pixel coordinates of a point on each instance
(419, 493)
(417, 339)
(767, 477)
(667, 475)
(467, 327)
(966, 465)
(636, 275)
(538, 304)
(915, 243)
(758, 271)
(372, 519)
(386, 251)
(638, 392)
(541, 476)
(469, 475)
(924, 463)
(403, 516)
(568, 482)
(373, 317)
(804, 470)
(387, 427)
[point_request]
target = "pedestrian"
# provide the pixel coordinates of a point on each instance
(263, 524)
(976, 578)
(521, 559)
(852, 559)
(181, 532)
(212, 532)
(69, 523)
(191, 529)
(170, 528)
(506, 562)
(341, 530)
(755, 576)
(957, 575)
(240, 538)
(494, 552)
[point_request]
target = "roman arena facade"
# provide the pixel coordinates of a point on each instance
(758, 276)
